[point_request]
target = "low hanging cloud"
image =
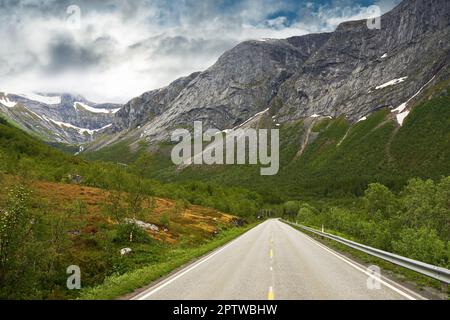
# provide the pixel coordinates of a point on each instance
(120, 49)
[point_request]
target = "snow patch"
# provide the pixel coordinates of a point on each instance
(94, 110)
(251, 118)
(400, 109)
(401, 117)
(41, 98)
(80, 130)
(315, 115)
(384, 56)
(391, 83)
(362, 119)
(80, 150)
(6, 102)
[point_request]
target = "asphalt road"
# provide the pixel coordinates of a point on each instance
(274, 261)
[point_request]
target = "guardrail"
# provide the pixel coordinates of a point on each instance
(438, 273)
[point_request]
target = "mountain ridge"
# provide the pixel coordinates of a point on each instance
(343, 73)
(62, 118)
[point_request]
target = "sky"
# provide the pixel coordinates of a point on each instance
(112, 51)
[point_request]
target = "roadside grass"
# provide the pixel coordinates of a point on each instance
(77, 225)
(116, 286)
(398, 273)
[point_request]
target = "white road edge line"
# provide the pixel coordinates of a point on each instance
(144, 295)
(404, 294)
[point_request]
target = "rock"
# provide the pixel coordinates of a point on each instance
(74, 232)
(143, 225)
(125, 251)
(75, 178)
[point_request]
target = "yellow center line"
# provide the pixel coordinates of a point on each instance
(271, 253)
(270, 295)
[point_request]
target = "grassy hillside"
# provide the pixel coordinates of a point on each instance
(25, 156)
(58, 210)
(69, 224)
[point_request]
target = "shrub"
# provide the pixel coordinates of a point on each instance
(423, 245)
(124, 230)
(164, 220)
(379, 201)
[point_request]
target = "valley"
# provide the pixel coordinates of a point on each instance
(362, 117)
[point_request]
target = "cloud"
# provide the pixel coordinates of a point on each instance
(124, 48)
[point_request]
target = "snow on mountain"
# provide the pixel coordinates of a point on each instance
(391, 83)
(78, 104)
(50, 100)
(402, 116)
(6, 102)
(80, 130)
(58, 118)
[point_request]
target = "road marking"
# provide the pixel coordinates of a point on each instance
(271, 268)
(270, 295)
(145, 295)
(271, 253)
(404, 294)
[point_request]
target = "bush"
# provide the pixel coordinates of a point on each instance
(124, 230)
(427, 204)
(379, 201)
(308, 214)
(423, 245)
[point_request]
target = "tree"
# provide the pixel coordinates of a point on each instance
(423, 245)
(291, 208)
(380, 202)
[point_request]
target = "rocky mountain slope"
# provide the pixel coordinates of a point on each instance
(351, 72)
(65, 118)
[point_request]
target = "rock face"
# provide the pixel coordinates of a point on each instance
(352, 72)
(242, 83)
(58, 118)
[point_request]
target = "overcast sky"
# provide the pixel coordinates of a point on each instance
(119, 49)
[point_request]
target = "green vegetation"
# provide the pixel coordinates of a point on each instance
(116, 286)
(389, 269)
(58, 210)
(23, 155)
(372, 181)
(341, 159)
(414, 223)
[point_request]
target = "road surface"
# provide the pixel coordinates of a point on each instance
(274, 261)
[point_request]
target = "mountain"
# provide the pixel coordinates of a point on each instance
(350, 72)
(64, 118)
(353, 106)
